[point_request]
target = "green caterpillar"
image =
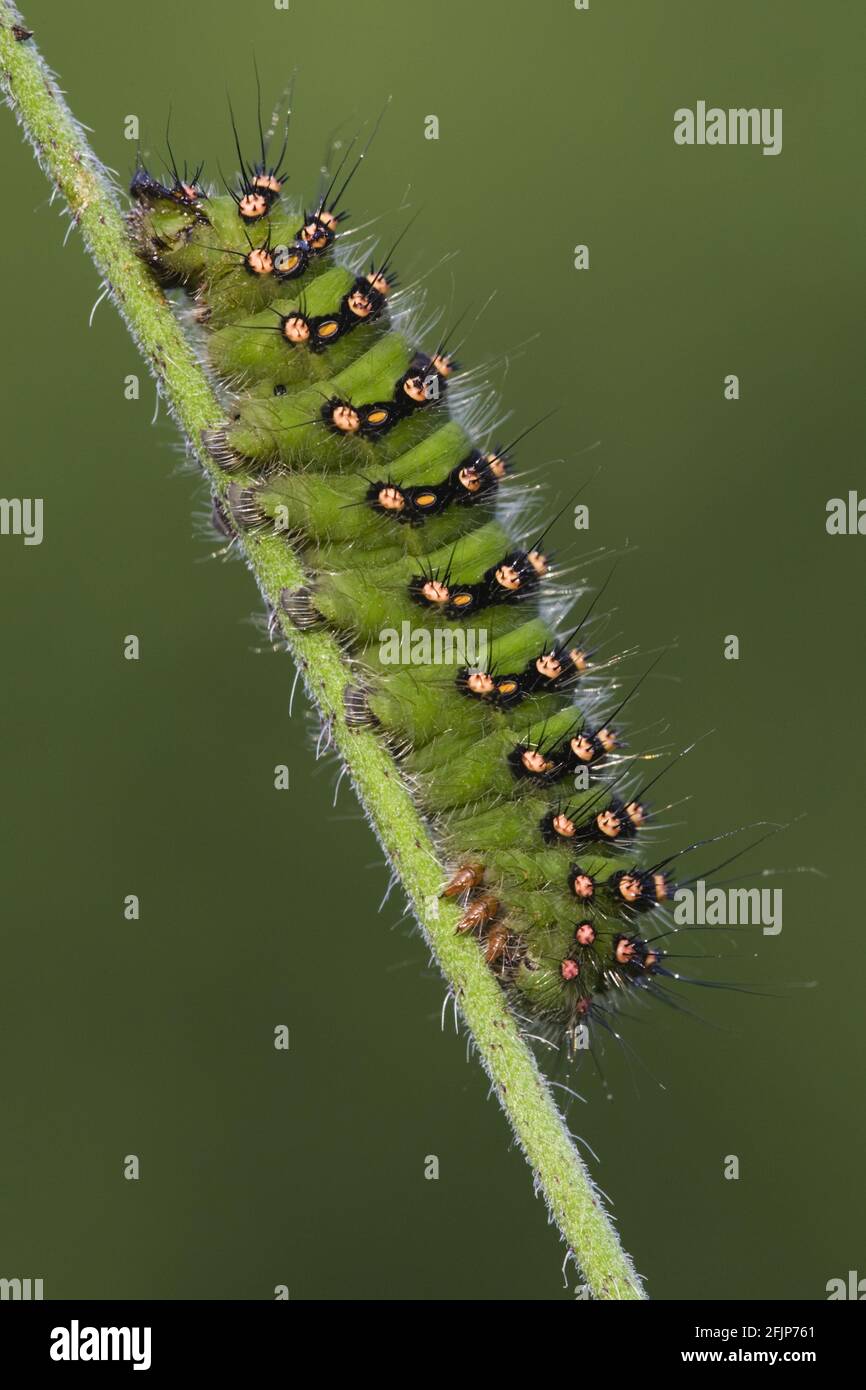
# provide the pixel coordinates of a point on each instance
(341, 434)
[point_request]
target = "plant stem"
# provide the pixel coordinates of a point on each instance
(66, 158)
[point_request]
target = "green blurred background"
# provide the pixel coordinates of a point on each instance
(258, 907)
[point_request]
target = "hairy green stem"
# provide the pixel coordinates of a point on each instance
(65, 156)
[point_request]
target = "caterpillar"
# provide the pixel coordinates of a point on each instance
(368, 449)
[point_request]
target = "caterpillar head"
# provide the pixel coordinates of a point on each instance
(184, 192)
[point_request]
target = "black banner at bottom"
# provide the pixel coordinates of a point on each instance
(155, 1338)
